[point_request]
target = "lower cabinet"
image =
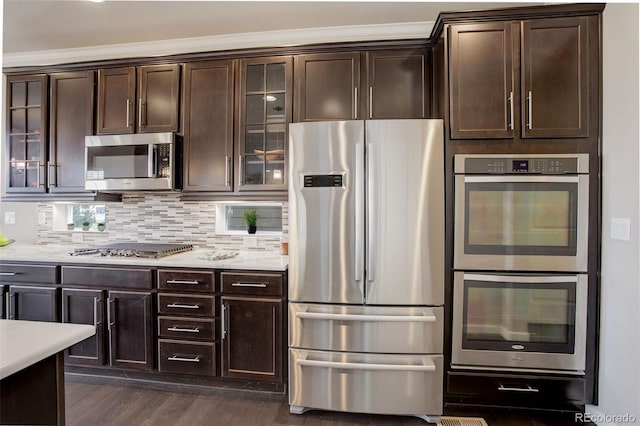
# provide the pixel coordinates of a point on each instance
(33, 303)
(85, 307)
(252, 326)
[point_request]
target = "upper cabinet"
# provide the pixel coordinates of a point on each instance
(208, 125)
(390, 84)
(26, 137)
(264, 108)
(71, 120)
(528, 79)
(398, 83)
(141, 99)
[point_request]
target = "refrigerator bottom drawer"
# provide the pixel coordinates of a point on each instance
(366, 383)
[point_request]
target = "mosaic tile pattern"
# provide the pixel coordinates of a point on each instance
(158, 218)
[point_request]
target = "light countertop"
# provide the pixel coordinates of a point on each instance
(197, 258)
(24, 343)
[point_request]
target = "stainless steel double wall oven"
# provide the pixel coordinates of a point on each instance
(520, 262)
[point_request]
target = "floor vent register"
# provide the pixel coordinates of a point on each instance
(463, 421)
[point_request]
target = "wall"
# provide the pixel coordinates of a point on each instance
(619, 380)
(25, 228)
(153, 218)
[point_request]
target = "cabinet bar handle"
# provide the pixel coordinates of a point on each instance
(184, 330)
(179, 358)
(355, 102)
(358, 317)
(257, 285)
(95, 313)
(128, 108)
(530, 102)
(9, 274)
(192, 282)
(226, 169)
(362, 366)
(179, 305)
(38, 172)
(510, 100)
(52, 177)
(140, 114)
(8, 306)
(510, 389)
(110, 323)
(223, 320)
(240, 170)
(370, 101)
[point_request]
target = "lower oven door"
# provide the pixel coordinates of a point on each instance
(520, 322)
(366, 383)
(381, 329)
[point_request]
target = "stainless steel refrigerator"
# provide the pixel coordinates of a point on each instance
(366, 266)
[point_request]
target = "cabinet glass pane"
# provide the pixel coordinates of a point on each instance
(255, 78)
(275, 172)
(33, 169)
(17, 174)
(275, 140)
(275, 107)
(35, 98)
(255, 109)
(275, 77)
(34, 123)
(254, 139)
(253, 170)
(18, 95)
(18, 121)
(34, 148)
(17, 148)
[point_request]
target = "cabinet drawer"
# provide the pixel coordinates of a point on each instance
(186, 328)
(516, 390)
(187, 357)
(17, 273)
(186, 280)
(107, 277)
(252, 284)
(184, 304)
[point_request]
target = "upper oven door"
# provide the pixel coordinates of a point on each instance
(525, 223)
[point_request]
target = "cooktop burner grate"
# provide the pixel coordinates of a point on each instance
(130, 249)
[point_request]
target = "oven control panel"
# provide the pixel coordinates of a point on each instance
(524, 165)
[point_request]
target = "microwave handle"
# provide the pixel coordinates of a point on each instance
(153, 161)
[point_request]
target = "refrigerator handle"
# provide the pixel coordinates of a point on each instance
(359, 212)
(371, 208)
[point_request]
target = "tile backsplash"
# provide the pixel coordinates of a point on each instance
(165, 218)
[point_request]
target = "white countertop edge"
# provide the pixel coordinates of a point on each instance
(24, 343)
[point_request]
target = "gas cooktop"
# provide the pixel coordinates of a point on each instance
(130, 249)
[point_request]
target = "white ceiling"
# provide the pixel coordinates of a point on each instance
(42, 25)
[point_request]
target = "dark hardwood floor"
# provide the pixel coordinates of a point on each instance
(92, 401)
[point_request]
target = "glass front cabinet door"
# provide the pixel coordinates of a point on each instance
(26, 133)
(264, 116)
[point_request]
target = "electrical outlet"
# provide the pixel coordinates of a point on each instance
(620, 228)
(250, 242)
(76, 237)
(9, 218)
(42, 218)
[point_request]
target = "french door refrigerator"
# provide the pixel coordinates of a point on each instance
(366, 266)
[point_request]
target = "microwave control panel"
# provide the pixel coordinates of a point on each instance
(514, 165)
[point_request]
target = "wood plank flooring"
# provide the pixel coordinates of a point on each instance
(94, 401)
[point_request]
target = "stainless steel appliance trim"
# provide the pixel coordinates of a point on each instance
(129, 139)
(9, 274)
(355, 317)
(520, 278)
(364, 366)
(459, 159)
(151, 169)
(183, 359)
(359, 215)
(571, 363)
(518, 179)
(523, 370)
(371, 219)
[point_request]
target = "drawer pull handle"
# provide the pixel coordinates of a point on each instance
(510, 389)
(355, 317)
(256, 285)
(193, 282)
(9, 274)
(180, 305)
(361, 366)
(183, 359)
(184, 330)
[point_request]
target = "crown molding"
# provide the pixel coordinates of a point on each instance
(282, 38)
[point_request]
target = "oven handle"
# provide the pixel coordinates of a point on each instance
(518, 179)
(362, 366)
(520, 278)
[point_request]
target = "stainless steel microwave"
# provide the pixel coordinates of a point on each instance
(144, 161)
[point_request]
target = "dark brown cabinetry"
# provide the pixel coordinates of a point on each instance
(327, 86)
(398, 83)
(26, 136)
(499, 90)
(264, 112)
(127, 319)
(252, 326)
(187, 322)
(33, 303)
(150, 104)
(208, 125)
(71, 111)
